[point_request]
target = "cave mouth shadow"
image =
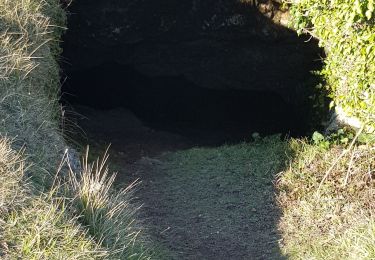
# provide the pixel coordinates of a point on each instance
(166, 75)
(177, 105)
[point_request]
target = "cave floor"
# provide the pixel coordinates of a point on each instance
(202, 199)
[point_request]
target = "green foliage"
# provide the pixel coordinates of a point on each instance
(345, 28)
(341, 137)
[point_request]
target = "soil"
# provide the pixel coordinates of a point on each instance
(202, 194)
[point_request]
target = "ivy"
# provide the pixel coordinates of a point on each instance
(345, 29)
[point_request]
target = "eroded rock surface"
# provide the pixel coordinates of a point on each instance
(213, 43)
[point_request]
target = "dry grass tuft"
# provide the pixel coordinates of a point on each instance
(108, 214)
(12, 185)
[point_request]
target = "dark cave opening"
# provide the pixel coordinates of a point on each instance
(227, 79)
(176, 104)
(154, 77)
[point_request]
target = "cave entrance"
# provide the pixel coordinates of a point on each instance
(211, 77)
(156, 78)
(175, 104)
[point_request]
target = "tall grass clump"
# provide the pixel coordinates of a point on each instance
(29, 81)
(108, 213)
(37, 226)
(43, 230)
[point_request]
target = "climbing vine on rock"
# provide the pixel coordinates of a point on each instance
(345, 29)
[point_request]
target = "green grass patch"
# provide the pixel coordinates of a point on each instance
(257, 160)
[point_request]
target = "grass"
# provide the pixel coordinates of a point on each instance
(220, 199)
(12, 190)
(84, 217)
(42, 230)
(94, 222)
(333, 219)
(36, 226)
(259, 159)
(29, 82)
(41, 215)
(109, 216)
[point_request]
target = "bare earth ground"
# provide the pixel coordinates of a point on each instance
(201, 200)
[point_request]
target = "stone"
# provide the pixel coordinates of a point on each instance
(216, 44)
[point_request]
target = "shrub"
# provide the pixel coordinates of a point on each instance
(345, 28)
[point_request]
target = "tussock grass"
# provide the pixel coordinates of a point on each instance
(337, 220)
(43, 230)
(37, 226)
(108, 214)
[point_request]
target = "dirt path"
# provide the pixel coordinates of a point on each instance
(213, 202)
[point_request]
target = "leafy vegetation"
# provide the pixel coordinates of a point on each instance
(326, 195)
(345, 28)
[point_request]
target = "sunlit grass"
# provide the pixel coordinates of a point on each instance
(335, 221)
(37, 226)
(43, 230)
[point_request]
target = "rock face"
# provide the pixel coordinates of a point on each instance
(222, 44)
